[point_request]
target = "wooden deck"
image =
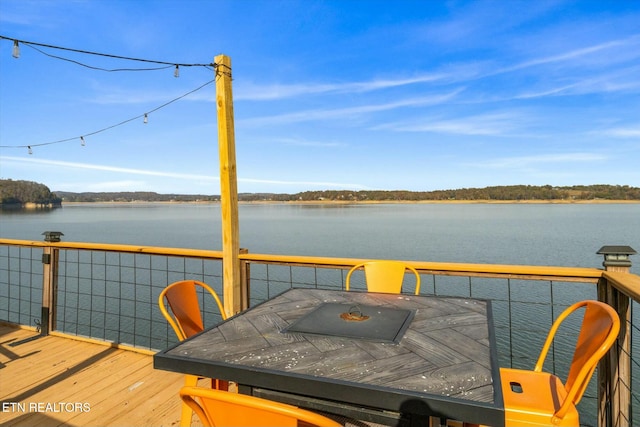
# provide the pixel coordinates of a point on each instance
(55, 381)
(60, 381)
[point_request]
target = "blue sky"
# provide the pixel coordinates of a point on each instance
(351, 94)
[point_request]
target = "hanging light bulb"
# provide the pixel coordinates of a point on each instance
(146, 119)
(16, 49)
(176, 73)
(82, 141)
(30, 150)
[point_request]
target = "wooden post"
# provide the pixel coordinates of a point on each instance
(614, 370)
(50, 257)
(614, 367)
(228, 187)
(48, 281)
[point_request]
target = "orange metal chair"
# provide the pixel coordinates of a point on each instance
(218, 408)
(179, 304)
(384, 276)
(185, 317)
(537, 398)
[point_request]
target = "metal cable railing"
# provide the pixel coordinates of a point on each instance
(21, 284)
(111, 294)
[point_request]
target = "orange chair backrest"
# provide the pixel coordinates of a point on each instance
(384, 276)
(599, 330)
(182, 298)
(221, 408)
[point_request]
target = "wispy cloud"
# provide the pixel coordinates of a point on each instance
(349, 112)
(479, 22)
(588, 76)
(623, 80)
(145, 172)
(106, 168)
(254, 92)
(300, 142)
(622, 132)
(631, 44)
(494, 124)
(461, 73)
(560, 90)
(530, 161)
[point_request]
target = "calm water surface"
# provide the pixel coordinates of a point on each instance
(535, 234)
(532, 234)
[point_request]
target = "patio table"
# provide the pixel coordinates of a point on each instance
(386, 358)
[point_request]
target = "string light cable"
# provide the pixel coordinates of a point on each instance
(163, 65)
(82, 137)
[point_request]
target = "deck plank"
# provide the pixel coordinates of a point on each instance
(40, 365)
(120, 387)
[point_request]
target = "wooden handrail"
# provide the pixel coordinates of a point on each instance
(588, 274)
(106, 247)
(628, 284)
(546, 272)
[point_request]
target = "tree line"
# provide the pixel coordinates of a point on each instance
(23, 192)
(497, 193)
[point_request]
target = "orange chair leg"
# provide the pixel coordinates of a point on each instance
(220, 384)
(192, 381)
(186, 414)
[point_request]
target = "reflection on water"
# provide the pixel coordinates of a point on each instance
(19, 210)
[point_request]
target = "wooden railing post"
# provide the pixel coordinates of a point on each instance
(50, 257)
(228, 187)
(614, 370)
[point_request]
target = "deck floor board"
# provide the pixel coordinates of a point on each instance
(119, 387)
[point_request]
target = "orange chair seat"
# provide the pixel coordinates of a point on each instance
(537, 398)
(540, 390)
(222, 409)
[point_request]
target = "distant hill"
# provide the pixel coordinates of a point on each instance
(17, 194)
(498, 193)
(24, 193)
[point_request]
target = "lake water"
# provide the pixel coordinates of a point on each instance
(532, 234)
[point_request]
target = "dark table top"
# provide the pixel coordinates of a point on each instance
(443, 362)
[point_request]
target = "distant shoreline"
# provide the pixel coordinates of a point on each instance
(370, 202)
